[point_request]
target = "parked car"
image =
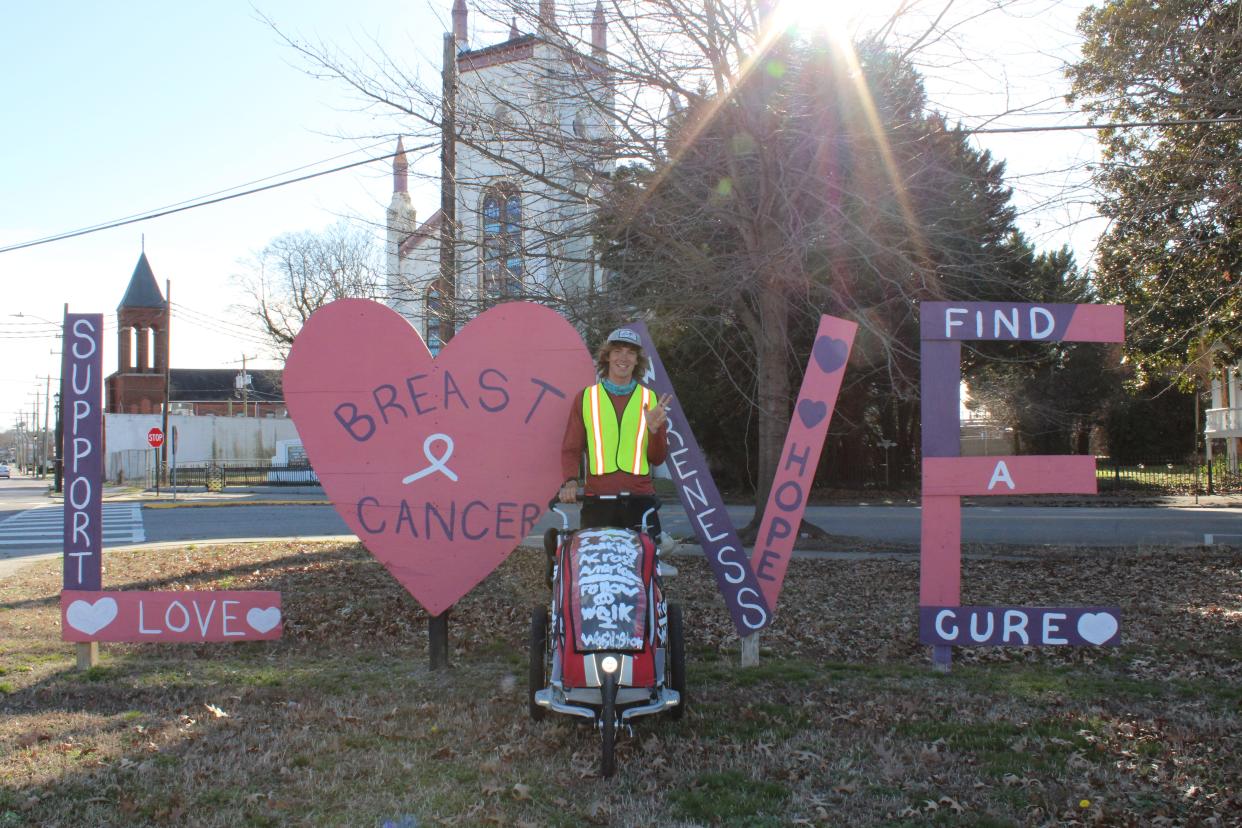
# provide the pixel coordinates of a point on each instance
(4, 471)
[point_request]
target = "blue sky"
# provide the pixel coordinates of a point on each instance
(112, 109)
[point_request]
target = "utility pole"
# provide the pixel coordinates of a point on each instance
(167, 371)
(58, 482)
(448, 190)
(47, 410)
(242, 383)
(34, 430)
(437, 626)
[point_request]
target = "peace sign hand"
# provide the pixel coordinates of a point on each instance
(658, 416)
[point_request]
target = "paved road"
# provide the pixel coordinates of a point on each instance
(1085, 526)
(20, 493)
(27, 533)
(44, 526)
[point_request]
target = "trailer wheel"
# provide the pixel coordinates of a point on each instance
(608, 727)
(677, 659)
(538, 676)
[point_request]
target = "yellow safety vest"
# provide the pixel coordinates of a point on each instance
(611, 447)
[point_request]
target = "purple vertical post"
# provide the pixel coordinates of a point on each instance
(81, 370)
(940, 561)
(726, 555)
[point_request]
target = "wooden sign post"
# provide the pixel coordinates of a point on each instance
(88, 613)
(947, 476)
(81, 368)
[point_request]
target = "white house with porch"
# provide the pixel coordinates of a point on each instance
(1224, 418)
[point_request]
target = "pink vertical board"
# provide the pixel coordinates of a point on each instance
(441, 465)
(940, 556)
(180, 617)
(1015, 475)
(804, 442)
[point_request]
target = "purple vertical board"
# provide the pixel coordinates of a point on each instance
(940, 390)
(81, 371)
(709, 518)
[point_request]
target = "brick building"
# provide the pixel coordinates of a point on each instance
(138, 385)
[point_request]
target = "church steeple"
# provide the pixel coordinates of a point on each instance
(401, 217)
(400, 169)
(143, 291)
(599, 32)
(460, 14)
(142, 320)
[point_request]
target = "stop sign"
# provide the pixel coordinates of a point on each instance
(155, 437)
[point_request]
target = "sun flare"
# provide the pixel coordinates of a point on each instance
(839, 18)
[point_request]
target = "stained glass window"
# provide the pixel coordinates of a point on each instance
(502, 243)
(434, 321)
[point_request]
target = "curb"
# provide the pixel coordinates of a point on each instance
(209, 504)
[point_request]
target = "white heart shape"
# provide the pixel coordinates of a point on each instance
(90, 618)
(263, 619)
(1097, 627)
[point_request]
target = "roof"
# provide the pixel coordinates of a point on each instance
(517, 48)
(218, 385)
(427, 230)
(143, 292)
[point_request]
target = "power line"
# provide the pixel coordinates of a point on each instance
(1111, 125)
(199, 203)
(195, 203)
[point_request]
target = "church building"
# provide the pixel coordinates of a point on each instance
(533, 127)
(138, 384)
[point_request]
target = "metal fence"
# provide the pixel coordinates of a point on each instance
(1153, 477)
(1167, 477)
(220, 475)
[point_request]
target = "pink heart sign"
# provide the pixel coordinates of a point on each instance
(441, 465)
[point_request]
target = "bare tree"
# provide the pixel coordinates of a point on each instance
(298, 273)
(648, 89)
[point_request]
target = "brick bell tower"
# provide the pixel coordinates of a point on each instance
(137, 387)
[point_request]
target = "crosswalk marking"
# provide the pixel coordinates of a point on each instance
(44, 526)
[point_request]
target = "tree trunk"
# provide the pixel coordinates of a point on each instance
(772, 387)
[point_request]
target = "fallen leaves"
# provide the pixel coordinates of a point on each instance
(842, 713)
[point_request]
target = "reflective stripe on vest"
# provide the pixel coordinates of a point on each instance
(612, 447)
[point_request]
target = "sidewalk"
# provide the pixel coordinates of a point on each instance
(197, 496)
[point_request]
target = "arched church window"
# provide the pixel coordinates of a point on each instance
(434, 321)
(503, 268)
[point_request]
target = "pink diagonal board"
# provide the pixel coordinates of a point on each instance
(804, 442)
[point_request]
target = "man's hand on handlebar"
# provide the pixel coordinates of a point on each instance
(569, 492)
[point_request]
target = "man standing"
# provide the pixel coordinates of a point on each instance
(624, 431)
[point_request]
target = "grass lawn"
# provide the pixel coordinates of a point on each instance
(843, 722)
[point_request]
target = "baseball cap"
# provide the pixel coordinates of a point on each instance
(626, 335)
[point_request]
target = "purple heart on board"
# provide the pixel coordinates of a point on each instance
(811, 412)
(830, 353)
